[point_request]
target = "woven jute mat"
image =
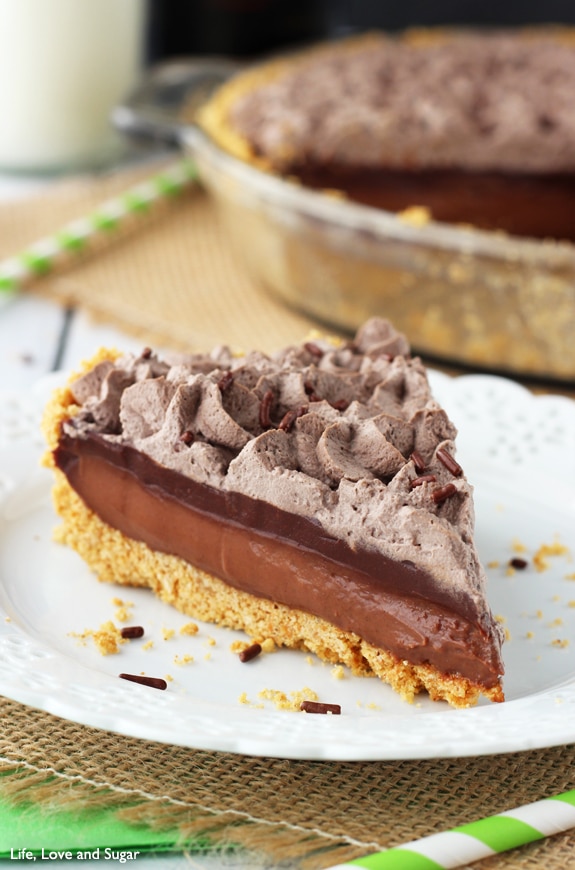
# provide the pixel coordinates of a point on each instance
(295, 813)
(172, 279)
(168, 275)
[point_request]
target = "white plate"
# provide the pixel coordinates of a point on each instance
(518, 450)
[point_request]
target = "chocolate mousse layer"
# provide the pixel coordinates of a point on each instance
(323, 478)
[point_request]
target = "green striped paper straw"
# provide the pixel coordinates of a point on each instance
(40, 257)
(468, 843)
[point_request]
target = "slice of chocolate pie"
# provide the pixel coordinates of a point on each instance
(311, 497)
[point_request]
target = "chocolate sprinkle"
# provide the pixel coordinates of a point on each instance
(443, 493)
(313, 348)
(518, 563)
(340, 404)
(425, 478)
(250, 652)
(265, 409)
(291, 416)
(187, 437)
(131, 631)
(310, 390)
(418, 461)
(449, 462)
(317, 707)
(153, 682)
(225, 381)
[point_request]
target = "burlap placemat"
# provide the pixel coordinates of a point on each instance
(306, 814)
(172, 279)
(169, 275)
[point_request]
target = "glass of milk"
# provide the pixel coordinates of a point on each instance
(64, 64)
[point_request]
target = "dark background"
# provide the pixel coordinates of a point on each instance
(248, 28)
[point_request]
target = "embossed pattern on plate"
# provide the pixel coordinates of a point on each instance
(519, 452)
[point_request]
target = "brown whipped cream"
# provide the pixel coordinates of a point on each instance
(336, 434)
(499, 101)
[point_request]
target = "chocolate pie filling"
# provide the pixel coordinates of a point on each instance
(487, 200)
(263, 550)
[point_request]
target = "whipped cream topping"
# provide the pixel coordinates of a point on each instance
(340, 434)
(479, 100)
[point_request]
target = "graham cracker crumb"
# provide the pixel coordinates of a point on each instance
(186, 659)
(268, 645)
(168, 633)
(123, 615)
(243, 699)
(494, 564)
(545, 551)
(562, 644)
(107, 639)
(415, 215)
(502, 620)
(518, 546)
(148, 645)
(338, 672)
(189, 628)
(123, 612)
(293, 702)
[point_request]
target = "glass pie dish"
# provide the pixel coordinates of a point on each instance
(469, 297)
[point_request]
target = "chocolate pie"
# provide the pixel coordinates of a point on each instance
(477, 127)
(312, 497)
